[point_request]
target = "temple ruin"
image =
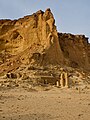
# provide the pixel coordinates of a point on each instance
(63, 81)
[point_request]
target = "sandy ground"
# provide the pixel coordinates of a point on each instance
(55, 104)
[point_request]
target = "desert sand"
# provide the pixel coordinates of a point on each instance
(49, 104)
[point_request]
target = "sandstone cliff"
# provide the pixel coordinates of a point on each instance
(34, 39)
(76, 50)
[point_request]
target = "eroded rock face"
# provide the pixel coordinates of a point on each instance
(76, 50)
(34, 39)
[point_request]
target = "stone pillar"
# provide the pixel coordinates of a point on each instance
(61, 80)
(66, 80)
(57, 83)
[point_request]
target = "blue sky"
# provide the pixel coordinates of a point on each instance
(72, 16)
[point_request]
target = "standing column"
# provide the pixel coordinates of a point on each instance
(66, 80)
(61, 79)
(57, 83)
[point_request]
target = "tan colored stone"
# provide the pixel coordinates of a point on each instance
(37, 34)
(64, 81)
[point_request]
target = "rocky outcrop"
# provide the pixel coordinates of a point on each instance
(75, 49)
(34, 39)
